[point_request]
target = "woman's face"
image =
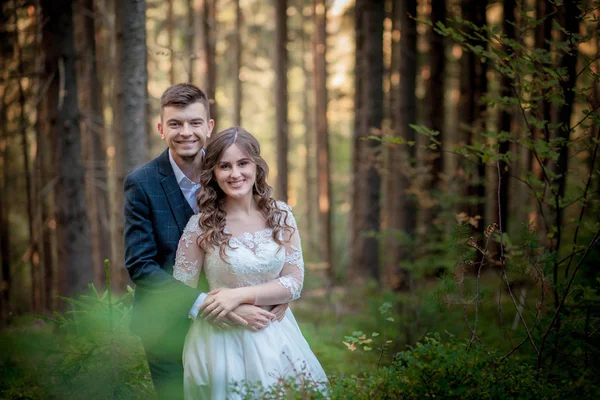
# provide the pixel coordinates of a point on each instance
(235, 173)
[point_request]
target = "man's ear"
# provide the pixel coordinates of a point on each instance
(160, 130)
(211, 125)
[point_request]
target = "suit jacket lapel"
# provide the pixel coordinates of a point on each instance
(179, 206)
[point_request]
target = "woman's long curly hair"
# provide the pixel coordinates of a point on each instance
(211, 198)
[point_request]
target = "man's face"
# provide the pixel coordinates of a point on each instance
(185, 129)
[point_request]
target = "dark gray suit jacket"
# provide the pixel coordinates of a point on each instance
(156, 213)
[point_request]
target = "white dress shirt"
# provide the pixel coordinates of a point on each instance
(188, 188)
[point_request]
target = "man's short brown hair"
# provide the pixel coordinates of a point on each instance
(182, 95)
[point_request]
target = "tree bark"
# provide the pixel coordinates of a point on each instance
(322, 134)
(95, 142)
(237, 65)
(191, 40)
(32, 252)
(311, 221)
(358, 148)
(371, 91)
(205, 66)
(505, 122)
(473, 87)
(171, 37)
(281, 98)
(131, 139)
(434, 115)
(5, 254)
(73, 239)
(400, 206)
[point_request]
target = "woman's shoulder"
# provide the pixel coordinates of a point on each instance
(283, 206)
(193, 224)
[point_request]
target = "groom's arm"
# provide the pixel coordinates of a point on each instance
(141, 251)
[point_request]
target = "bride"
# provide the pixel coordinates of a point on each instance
(249, 248)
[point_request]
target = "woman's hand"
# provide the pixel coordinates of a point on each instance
(221, 302)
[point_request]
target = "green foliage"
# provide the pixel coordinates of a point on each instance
(85, 352)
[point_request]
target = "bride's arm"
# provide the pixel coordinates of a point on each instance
(281, 290)
(189, 261)
(189, 257)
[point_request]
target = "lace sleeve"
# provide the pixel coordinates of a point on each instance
(292, 274)
(189, 257)
(289, 284)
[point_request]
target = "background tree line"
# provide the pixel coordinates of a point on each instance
(426, 146)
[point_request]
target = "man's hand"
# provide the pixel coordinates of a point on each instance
(255, 318)
(279, 311)
(232, 319)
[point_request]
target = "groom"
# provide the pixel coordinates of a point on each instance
(160, 197)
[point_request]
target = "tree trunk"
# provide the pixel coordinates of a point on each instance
(47, 92)
(358, 149)
(311, 221)
(73, 239)
(95, 143)
(205, 66)
(400, 206)
(505, 122)
(131, 139)
(171, 38)
(237, 65)
(32, 252)
(434, 116)
(191, 40)
(371, 59)
(322, 135)
(569, 21)
(281, 98)
(5, 256)
(473, 87)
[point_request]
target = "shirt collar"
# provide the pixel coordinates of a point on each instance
(179, 175)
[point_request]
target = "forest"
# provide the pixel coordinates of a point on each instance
(440, 156)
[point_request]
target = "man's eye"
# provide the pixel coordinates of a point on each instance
(173, 125)
(197, 123)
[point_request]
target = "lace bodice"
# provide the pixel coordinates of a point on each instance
(253, 259)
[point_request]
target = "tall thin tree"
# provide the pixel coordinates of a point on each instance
(434, 108)
(311, 220)
(205, 51)
(281, 98)
(400, 206)
(32, 253)
(473, 85)
(322, 134)
(370, 119)
(237, 65)
(131, 139)
(95, 141)
(73, 238)
(171, 38)
(505, 119)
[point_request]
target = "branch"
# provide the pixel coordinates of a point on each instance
(562, 302)
(585, 193)
(502, 262)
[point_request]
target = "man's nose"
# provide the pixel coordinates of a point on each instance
(186, 129)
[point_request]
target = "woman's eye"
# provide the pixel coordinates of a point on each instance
(243, 163)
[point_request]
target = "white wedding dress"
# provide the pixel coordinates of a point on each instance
(214, 358)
